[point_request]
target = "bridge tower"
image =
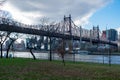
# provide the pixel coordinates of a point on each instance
(68, 30)
(67, 25)
(91, 38)
(96, 34)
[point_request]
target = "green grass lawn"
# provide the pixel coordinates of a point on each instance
(28, 69)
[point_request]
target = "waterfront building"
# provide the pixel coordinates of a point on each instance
(103, 36)
(112, 35)
(119, 42)
(19, 46)
(95, 32)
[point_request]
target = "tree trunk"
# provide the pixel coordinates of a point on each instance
(32, 54)
(7, 52)
(50, 50)
(63, 60)
(2, 42)
(1, 51)
(62, 52)
(8, 49)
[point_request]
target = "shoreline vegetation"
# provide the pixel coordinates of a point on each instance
(29, 69)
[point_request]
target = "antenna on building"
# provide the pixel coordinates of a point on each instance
(106, 33)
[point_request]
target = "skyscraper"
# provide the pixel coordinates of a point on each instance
(112, 34)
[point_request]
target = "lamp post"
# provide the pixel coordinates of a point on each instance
(50, 57)
(80, 37)
(119, 42)
(109, 53)
(109, 49)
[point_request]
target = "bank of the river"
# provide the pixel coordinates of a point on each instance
(28, 69)
(114, 59)
(106, 53)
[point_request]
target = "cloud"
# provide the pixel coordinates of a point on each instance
(118, 29)
(29, 11)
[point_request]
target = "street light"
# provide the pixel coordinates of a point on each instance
(80, 36)
(109, 51)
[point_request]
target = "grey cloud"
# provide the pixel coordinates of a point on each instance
(22, 5)
(59, 8)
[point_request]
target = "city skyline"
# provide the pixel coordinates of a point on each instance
(110, 16)
(104, 13)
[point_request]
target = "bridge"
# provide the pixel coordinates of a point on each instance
(65, 29)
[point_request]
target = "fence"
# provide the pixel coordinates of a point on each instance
(105, 59)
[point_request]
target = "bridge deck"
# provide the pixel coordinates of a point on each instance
(10, 28)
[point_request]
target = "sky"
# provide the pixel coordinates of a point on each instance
(108, 16)
(85, 13)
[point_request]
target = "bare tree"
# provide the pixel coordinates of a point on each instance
(61, 51)
(32, 53)
(3, 38)
(2, 2)
(12, 38)
(44, 21)
(49, 27)
(4, 15)
(31, 45)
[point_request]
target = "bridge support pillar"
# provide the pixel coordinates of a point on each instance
(119, 46)
(91, 38)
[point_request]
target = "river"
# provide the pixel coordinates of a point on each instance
(115, 59)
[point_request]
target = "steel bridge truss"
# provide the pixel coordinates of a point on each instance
(64, 29)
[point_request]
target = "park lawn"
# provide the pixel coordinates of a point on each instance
(28, 69)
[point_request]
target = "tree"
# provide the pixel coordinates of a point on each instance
(2, 2)
(50, 28)
(61, 51)
(31, 43)
(3, 38)
(12, 38)
(4, 15)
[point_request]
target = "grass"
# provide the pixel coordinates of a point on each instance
(28, 69)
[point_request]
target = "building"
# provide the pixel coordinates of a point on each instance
(19, 46)
(112, 35)
(103, 36)
(95, 32)
(85, 33)
(119, 42)
(15, 45)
